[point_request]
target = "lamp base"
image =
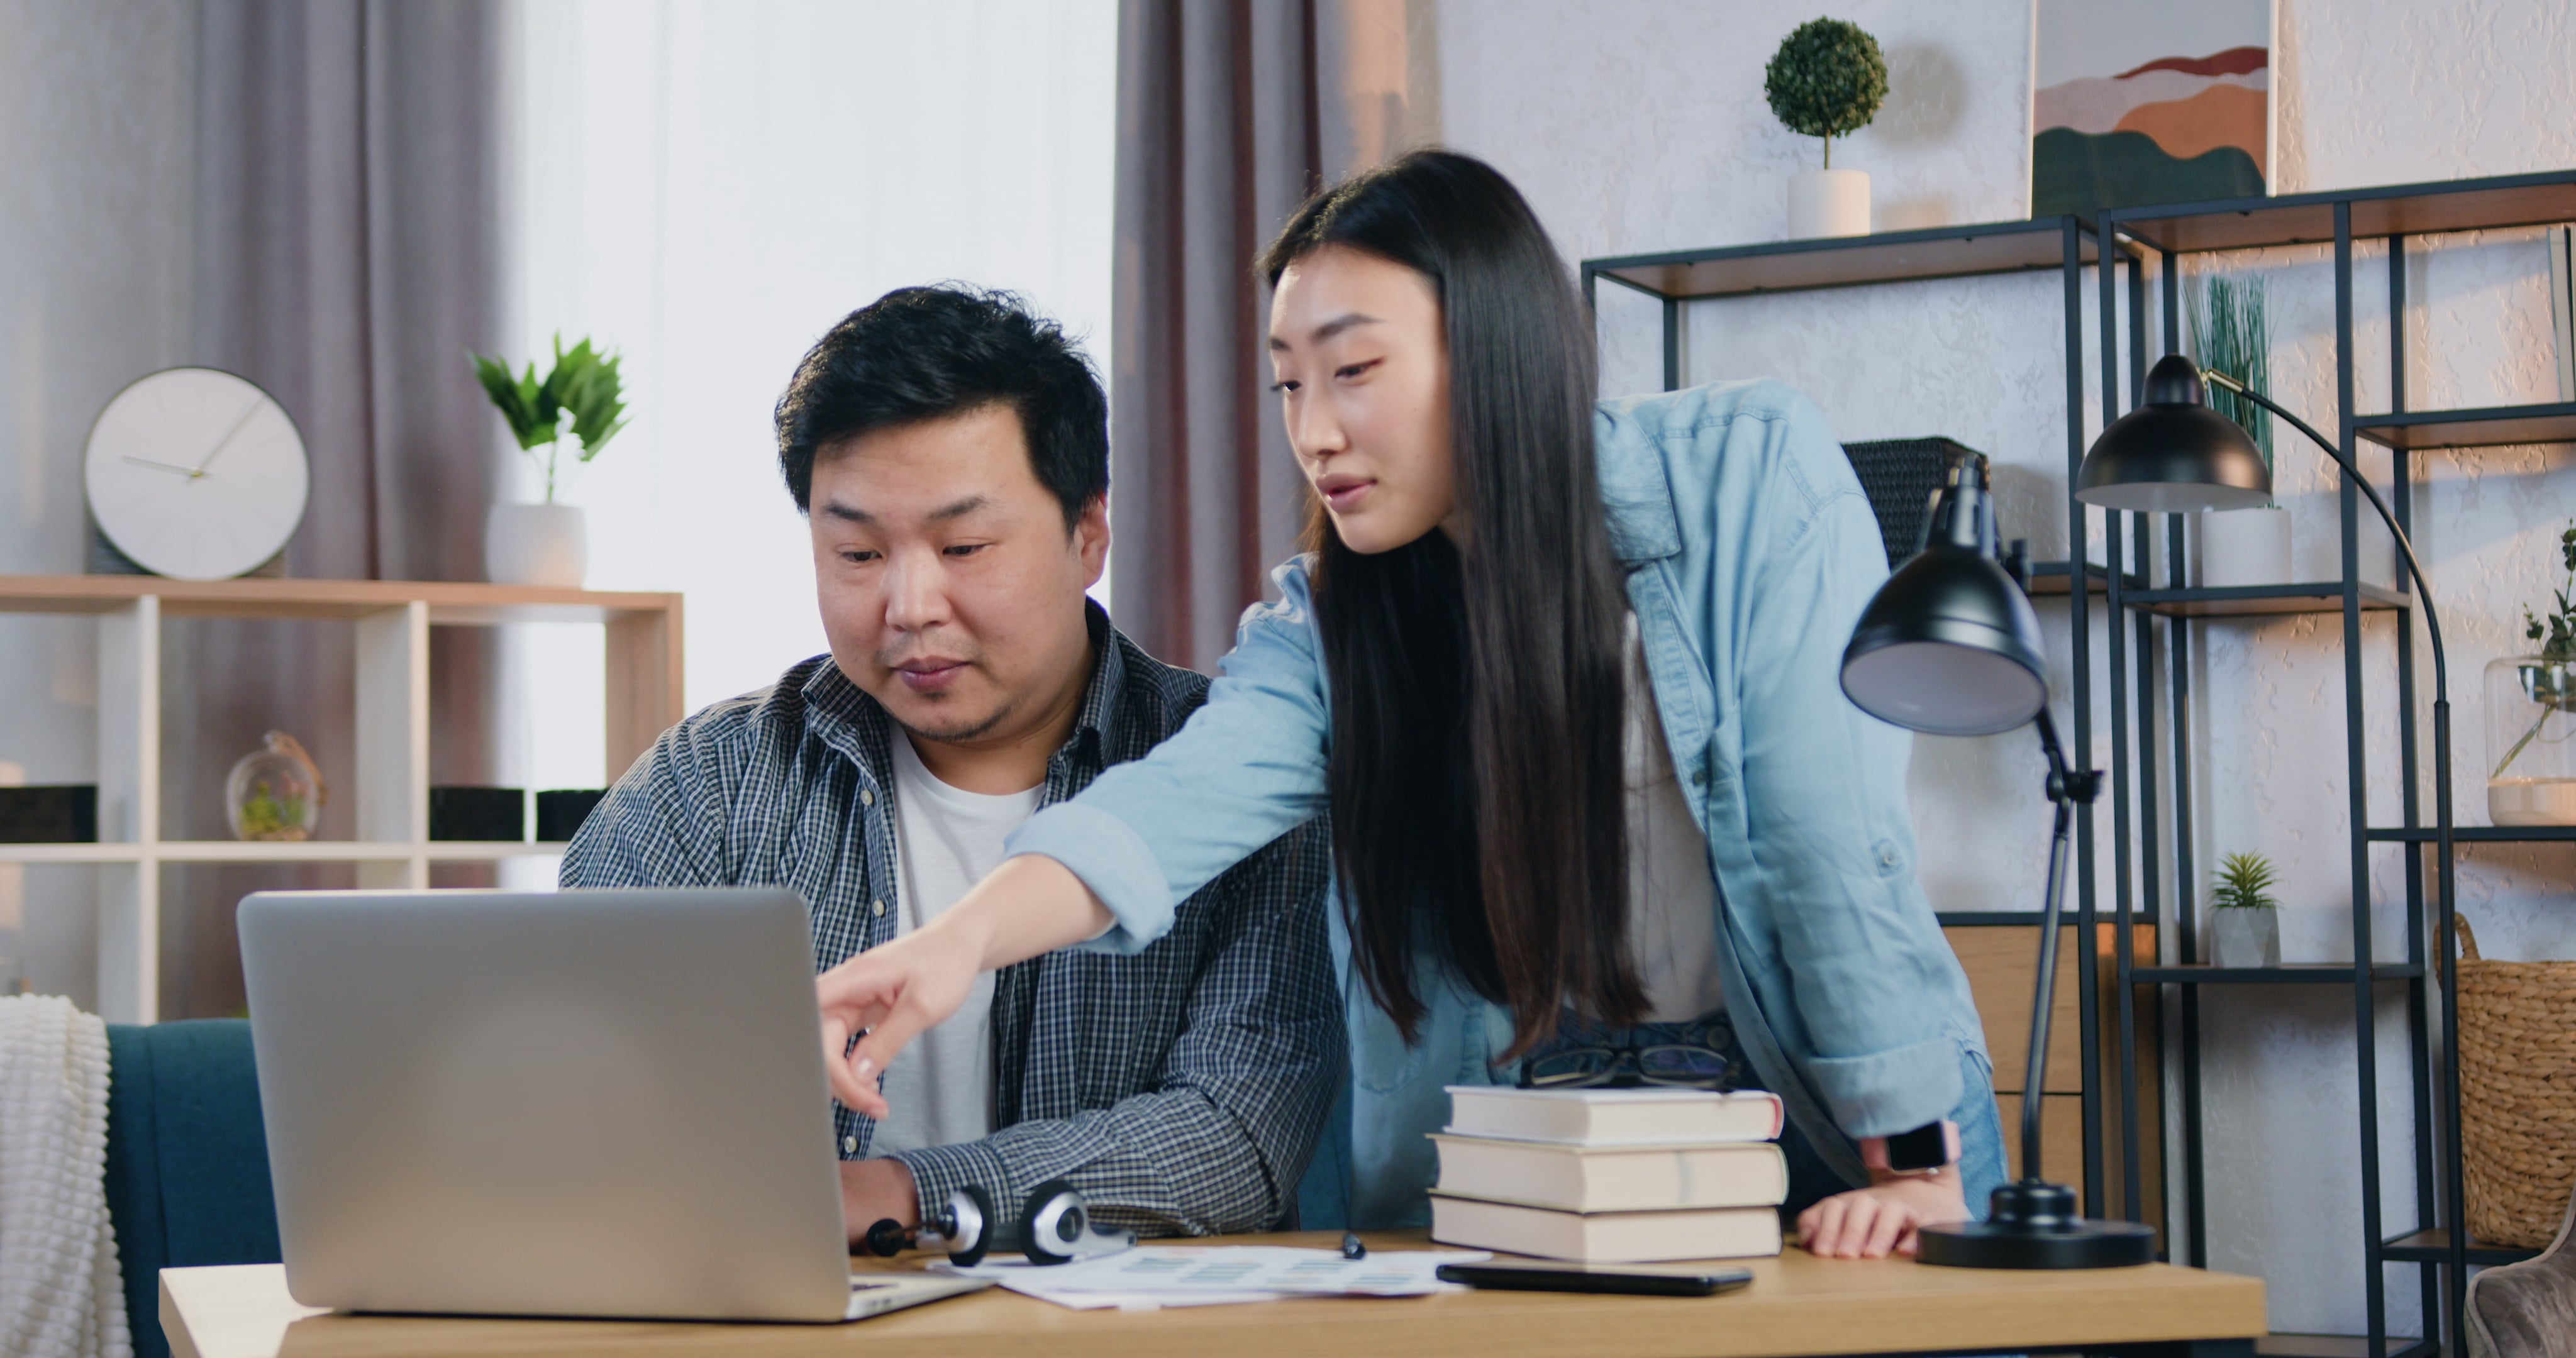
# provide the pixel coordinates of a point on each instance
(2033, 1224)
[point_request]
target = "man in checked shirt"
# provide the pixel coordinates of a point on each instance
(950, 452)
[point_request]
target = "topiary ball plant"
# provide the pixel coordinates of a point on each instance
(1826, 81)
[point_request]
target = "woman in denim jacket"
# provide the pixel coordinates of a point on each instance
(1565, 678)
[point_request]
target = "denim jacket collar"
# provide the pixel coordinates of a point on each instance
(1638, 500)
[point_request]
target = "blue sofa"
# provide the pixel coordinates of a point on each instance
(187, 1159)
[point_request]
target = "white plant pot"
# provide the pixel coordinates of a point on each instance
(2245, 547)
(2242, 937)
(1828, 203)
(546, 545)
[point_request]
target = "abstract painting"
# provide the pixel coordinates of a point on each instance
(2136, 104)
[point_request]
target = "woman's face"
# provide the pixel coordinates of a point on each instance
(1363, 379)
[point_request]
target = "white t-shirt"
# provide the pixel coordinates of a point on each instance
(1672, 896)
(946, 839)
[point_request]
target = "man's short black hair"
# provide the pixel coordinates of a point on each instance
(931, 352)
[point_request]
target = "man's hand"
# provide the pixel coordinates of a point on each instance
(1870, 1223)
(895, 991)
(874, 1190)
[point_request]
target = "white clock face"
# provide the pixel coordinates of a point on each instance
(196, 474)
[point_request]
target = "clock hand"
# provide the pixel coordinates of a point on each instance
(227, 439)
(189, 472)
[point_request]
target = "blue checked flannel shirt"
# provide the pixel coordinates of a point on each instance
(1181, 1088)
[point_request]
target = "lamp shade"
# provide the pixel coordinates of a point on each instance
(2173, 453)
(1949, 645)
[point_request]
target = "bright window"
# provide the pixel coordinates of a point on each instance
(707, 187)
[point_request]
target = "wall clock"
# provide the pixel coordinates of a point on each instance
(196, 474)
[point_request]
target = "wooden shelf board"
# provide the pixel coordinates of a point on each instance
(2475, 834)
(451, 602)
(2305, 973)
(71, 853)
(1848, 261)
(2056, 579)
(2489, 427)
(349, 851)
(2334, 1346)
(2243, 601)
(2398, 210)
(490, 850)
(2435, 1244)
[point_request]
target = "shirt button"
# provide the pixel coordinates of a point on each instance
(867, 797)
(876, 907)
(849, 1145)
(1887, 858)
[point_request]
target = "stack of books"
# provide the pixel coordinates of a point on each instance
(1611, 1175)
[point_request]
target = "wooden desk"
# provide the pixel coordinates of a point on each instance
(1797, 1305)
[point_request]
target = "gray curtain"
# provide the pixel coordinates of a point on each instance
(1218, 141)
(347, 216)
(1230, 112)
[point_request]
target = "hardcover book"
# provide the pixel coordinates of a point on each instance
(1607, 1117)
(1612, 1178)
(1606, 1237)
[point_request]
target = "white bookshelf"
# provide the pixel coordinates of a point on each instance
(391, 787)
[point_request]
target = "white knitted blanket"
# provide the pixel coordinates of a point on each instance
(61, 1293)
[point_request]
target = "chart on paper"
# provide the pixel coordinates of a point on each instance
(1215, 1275)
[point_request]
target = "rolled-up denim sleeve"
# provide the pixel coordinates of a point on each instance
(1245, 769)
(1832, 841)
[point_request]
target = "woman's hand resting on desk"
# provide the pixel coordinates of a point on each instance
(1872, 1222)
(892, 993)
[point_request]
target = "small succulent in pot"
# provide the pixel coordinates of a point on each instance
(2244, 882)
(2244, 919)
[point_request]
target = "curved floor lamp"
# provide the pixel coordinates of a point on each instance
(1950, 646)
(2174, 453)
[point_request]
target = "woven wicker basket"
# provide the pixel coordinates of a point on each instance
(2517, 1095)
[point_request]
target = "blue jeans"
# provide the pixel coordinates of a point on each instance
(1981, 1142)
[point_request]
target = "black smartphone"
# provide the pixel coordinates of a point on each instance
(1594, 1278)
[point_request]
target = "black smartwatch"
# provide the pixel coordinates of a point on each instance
(1925, 1150)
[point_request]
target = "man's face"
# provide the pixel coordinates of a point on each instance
(950, 589)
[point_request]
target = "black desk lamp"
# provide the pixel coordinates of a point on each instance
(1950, 646)
(2174, 453)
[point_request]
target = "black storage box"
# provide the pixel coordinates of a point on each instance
(478, 813)
(1899, 476)
(49, 813)
(561, 812)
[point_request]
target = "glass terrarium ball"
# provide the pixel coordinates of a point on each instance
(274, 792)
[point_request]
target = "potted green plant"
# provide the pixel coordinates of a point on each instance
(1826, 81)
(2244, 920)
(2531, 715)
(2231, 331)
(548, 543)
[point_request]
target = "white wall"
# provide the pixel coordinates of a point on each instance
(1639, 127)
(708, 188)
(97, 128)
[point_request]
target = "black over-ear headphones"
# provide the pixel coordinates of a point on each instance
(1055, 1227)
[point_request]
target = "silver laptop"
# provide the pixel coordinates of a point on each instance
(587, 1103)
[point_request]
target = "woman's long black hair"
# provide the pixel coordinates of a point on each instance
(1476, 781)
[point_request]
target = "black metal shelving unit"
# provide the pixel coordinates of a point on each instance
(2339, 219)
(2153, 874)
(2069, 246)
